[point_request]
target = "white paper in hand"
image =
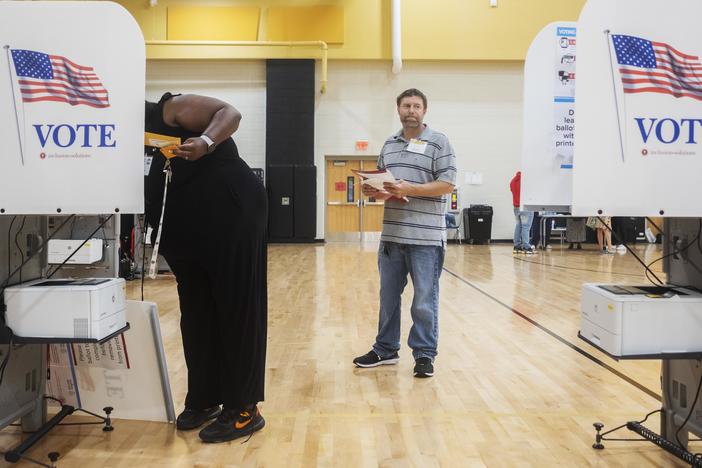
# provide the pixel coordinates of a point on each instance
(377, 178)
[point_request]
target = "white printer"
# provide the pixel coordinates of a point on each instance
(641, 320)
(90, 308)
(61, 249)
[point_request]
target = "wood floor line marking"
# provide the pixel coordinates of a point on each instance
(577, 269)
(553, 334)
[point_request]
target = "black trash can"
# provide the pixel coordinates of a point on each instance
(478, 222)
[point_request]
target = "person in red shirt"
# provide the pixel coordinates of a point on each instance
(523, 218)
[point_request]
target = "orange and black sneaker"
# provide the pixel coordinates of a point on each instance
(233, 424)
(193, 418)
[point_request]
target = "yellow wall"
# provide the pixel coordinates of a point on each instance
(472, 30)
(432, 30)
(212, 23)
(306, 23)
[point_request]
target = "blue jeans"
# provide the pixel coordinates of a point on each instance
(424, 264)
(521, 229)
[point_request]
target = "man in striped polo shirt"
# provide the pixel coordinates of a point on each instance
(414, 234)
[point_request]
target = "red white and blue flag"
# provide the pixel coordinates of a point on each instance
(44, 77)
(655, 67)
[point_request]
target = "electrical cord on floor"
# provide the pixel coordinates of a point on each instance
(689, 414)
(625, 425)
(60, 402)
(619, 241)
(87, 239)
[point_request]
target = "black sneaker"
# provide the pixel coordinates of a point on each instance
(192, 418)
(423, 367)
(232, 424)
(371, 359)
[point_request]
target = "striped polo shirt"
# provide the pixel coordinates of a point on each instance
(421, 221)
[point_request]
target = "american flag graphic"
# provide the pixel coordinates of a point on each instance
(655, 67)
(44, 77)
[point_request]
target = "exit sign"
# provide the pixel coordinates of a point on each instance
(362, 145)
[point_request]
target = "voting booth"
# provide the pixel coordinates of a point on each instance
(72, 91)
(72, 94)
(637, 153)
(549, 119)
(637, 146)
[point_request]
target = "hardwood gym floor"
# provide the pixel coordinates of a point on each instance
(514, 386)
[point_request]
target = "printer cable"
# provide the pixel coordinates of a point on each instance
(696, 240)
(28, 259)
(616, 237)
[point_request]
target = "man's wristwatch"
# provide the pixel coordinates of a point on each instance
(210, 144)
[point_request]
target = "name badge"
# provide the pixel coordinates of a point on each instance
(147, 164)
(417, 146)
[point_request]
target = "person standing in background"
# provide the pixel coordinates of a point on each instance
(575, 232)
(523, 219)
(413, 240)
(603, 226)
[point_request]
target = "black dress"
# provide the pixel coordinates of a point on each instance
(214, 240)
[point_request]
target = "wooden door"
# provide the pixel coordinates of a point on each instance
(343, 211)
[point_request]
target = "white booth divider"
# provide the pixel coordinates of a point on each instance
(72, 95)
(549, 119)
(637, 147)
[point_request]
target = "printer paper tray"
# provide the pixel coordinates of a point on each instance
(694, 355)
(30, 340)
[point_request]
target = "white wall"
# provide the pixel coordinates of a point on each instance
(477, 105)
(240, 83)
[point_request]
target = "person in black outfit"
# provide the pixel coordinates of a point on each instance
(214, 239)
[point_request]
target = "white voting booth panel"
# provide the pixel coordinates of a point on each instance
(128, 372)
(638, 152)
(72, 95)
(549, 119)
